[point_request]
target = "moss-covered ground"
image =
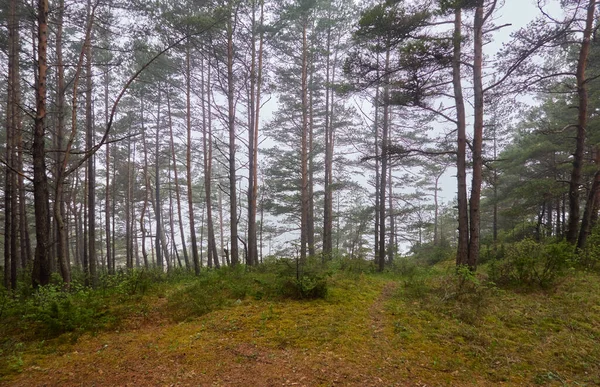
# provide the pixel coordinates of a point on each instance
(425, 328)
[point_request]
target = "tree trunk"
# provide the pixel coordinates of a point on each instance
(254, 110)
(231, 126)
(582, 95)
(586, 220)
(193, 240)
(304, 150)
(384, 165)
(461, 164)
(158, 202)
(474, 213)
(377, 172)
(128, 204)
(146, 190)
(310, 240)
(177, 190)
(107, 203)
(41, 264)
(207, 150)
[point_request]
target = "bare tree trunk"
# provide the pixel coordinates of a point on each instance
(128, 204)
(147, 190)
(254, 110)
(582, 94)
(11, 255)
(41, 264)
(174, 251)
(194, 242)
(158, 202)
(207, 148)
(91, 188)
(461, 164)
(231, 127)
(107, 204)
(377, 172)
(310, 237)
(474, 203)
(384, 166)
(221, 233)
(586, 220)
(304, 216)
(392, 244)
(177, 190)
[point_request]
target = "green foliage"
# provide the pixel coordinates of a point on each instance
(431, 254)
(53, 310)
(589, 258)
(532, 264)
(275, 279)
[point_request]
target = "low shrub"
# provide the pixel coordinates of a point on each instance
(532, 264)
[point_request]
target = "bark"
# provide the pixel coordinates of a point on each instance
(392, 243)
(128, 217)
(461, 164)
(62, 241)
(377, 173)
(174, 251)
(384, 166)
(107, 202)
(91, 167)
(582, 119)
(254, 110)
(41, 264)
(177, 189)
(193, 240)
(310, 240)
(158, 202)
(329, 148)
(587, 219)
(474, 203)
(146, 190)
(11, 256)
(231, 127)
(304, 150)
(207, 149)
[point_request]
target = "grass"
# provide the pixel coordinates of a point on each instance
(418, 327)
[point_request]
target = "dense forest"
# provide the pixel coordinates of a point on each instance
(197, 134)
(299, 192)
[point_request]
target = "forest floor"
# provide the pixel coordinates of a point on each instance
(368, 331)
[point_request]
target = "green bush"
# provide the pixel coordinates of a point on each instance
(52, 310)
(529, 263)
